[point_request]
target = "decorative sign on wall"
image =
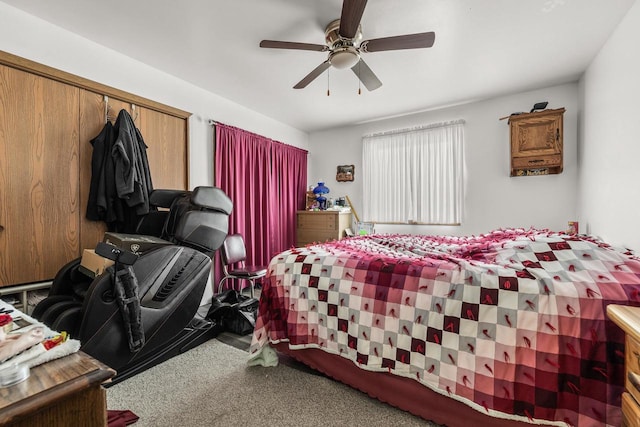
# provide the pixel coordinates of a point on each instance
(345, 173)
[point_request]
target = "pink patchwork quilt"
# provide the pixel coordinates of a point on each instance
(512, 323)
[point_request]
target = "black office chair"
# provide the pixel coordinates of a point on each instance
(234, 255)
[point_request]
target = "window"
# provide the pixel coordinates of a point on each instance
(414, 175)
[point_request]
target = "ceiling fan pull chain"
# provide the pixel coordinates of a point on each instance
(328, 83)
(359, 88)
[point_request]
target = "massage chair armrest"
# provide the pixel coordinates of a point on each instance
(114, 253)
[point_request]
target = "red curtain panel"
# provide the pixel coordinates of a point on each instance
(266, 180)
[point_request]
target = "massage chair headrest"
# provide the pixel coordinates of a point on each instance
(204, 222)
(212, 198)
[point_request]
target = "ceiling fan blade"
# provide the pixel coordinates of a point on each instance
(408, 41)
(366, 76)
(352, 11)
(274, 44)
(313, 75)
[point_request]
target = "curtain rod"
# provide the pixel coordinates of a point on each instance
(416, 128)
(215, 123)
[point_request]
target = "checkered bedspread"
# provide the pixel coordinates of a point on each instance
(512, 323)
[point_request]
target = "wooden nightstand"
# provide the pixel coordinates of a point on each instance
(628, 318)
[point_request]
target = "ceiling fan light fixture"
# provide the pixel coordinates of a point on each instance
(345, 57)
(343, 37)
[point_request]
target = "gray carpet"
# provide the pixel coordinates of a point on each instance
(238, 341)
(212, 385)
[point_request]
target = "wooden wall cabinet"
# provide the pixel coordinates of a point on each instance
(536, 143)
(321, 226)
(47, 118)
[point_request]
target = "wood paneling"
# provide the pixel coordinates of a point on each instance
(63, 77)
(39, 176)
(47, 119)
(167, 152)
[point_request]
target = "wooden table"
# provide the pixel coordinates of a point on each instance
(63, 392)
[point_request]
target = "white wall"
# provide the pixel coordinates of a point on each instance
(32, 38)
(493, 199)
(609, 150)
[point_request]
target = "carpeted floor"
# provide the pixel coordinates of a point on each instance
(211, 385)
(238, 341)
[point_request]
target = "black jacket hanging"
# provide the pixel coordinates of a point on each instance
(132, 175)
(97, 203)
(103, 203)
(132, 178)
(121, 179)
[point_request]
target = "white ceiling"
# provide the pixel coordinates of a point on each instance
(483, 48)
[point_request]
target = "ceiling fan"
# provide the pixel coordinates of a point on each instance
(343, 42)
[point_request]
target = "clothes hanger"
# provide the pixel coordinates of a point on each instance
(134, 111)
(107, 109)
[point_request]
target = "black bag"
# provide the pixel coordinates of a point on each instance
(236, 312)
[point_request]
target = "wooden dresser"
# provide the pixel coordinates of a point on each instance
(628, 318)
(321, 226)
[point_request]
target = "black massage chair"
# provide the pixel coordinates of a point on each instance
(145, 309)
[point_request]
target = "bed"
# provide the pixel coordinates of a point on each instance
(499, 329)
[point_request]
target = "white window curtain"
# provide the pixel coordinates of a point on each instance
(414, 175)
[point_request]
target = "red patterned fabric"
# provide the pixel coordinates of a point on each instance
(512, 323)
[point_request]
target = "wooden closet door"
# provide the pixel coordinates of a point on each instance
(38, 176)
(166, 139)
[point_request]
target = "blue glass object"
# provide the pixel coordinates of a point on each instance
(320, 191)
